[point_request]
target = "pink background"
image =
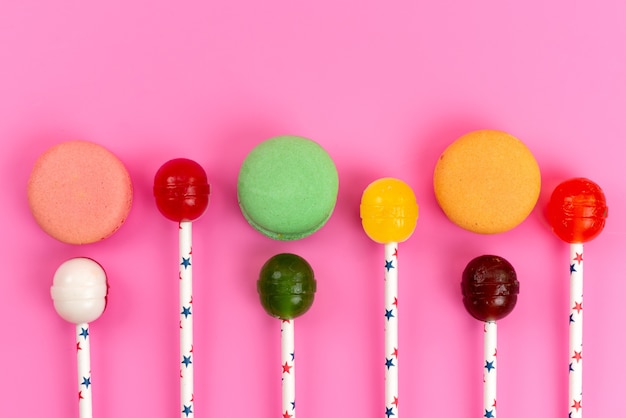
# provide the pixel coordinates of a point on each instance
(384, 87)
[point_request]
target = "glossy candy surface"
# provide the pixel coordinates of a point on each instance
(286, 286)
(181, 190)
(79, 290)
(490, 288)
(577, 210)
(388, 210)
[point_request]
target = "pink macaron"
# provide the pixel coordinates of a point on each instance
(79, 192)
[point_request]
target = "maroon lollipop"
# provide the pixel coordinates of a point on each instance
(490, 289)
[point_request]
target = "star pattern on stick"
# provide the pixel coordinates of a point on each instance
(389, 363)
(84, 332)
(186, 262)
(578, 258)
(389, 314)
(86, 382)
(286, 368)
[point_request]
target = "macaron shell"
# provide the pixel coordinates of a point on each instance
(287, 187)
(487, 182)
(79, 192)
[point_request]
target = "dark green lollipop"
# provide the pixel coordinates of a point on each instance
(286, 286)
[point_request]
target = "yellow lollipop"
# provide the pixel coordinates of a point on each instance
(389, 215)
(388, 210)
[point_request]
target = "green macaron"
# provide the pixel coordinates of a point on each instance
(287, 187)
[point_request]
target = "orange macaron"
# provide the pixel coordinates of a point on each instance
(79, 192)
(487, 181)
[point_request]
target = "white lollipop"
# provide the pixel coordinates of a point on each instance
(79, 291)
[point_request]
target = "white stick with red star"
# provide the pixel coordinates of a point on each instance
(84, 370)
(489, 372)
(391, 330)
(576, 331)
(186, 321)
(287, 354)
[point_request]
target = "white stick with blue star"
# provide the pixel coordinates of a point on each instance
(186, 321)
(391, 330)
(83, 357)
(576, 331)
(489, 372)
(287, 354)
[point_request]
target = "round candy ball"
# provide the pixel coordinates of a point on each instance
(489, 286)
(79, 290)
(388, 210)
(287, 187)
(577, 210)
(181, 190)
(487, 182)
(286, 286)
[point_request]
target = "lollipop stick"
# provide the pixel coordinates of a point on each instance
(84, 370)
(576, 331)
(186, 322)
(489, 373)
(391, 329)
(287, 354)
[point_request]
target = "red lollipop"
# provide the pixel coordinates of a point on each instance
(181, 191)
(577, 210)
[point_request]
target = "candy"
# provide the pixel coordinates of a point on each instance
(287, 187)
(489, 287)
(286, 286)
(388, 210)
(182, 193)
(577, 213)
(389, 214)
(487, 182)
(79, 192)
(577, 210)
(181, 190)
(79, 290)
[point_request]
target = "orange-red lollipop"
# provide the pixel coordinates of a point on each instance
(577, 210)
